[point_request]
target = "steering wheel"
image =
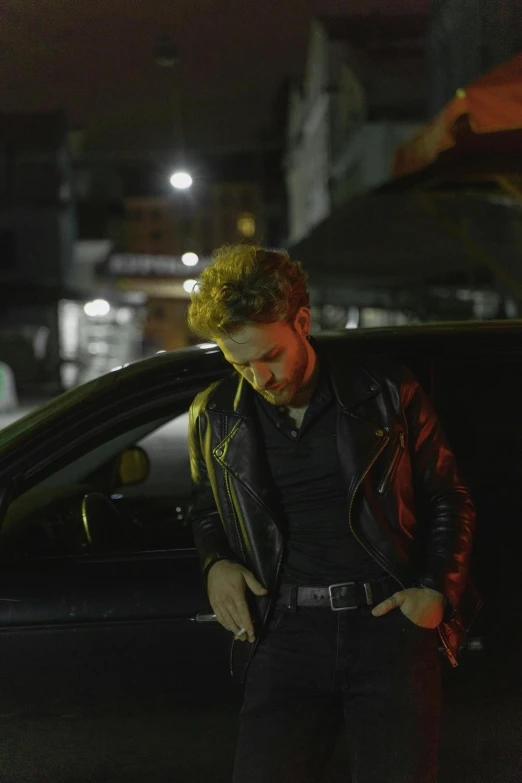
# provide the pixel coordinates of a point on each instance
(104, 528)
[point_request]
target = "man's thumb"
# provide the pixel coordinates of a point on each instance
(253, 584)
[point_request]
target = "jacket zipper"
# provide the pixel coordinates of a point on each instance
(452, 659)
(372, 554)
(383, 486)
(447, 649)
(238, 534)
(230, 499)
(234, 515)
(256, 643)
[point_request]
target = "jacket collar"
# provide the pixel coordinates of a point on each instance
(352, 383)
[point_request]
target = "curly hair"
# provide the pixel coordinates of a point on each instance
(246, 284)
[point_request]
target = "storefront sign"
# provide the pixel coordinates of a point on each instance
(134, 265)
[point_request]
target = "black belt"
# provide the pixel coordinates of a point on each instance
(338, 597)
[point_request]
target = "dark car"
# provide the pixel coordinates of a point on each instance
(108, 669)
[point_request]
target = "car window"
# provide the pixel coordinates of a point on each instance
(167, 449)
(53, 519)
(79, 469)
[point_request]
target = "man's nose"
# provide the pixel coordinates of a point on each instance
(262, 376)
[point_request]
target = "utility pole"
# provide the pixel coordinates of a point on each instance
(167, 58)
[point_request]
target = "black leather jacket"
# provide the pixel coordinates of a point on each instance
(399, 468)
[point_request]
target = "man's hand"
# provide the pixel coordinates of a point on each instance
(226, 585)
(422, 605)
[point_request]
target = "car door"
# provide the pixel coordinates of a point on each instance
(478, 399)
(102, 635)
(108, 632)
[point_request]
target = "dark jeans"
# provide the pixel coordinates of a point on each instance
(315, 668)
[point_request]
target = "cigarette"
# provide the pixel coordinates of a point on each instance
(240, 633)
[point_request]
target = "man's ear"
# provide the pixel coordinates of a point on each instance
(303, 321)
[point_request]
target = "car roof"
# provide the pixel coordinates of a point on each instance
(449, 338)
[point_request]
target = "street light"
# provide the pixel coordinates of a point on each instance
(96, 307)
(190, 259)
(181, 180)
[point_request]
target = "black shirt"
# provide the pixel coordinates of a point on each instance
(313, 500)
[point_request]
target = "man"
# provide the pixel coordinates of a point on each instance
(334, 534)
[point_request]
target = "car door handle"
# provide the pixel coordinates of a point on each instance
(205, 617)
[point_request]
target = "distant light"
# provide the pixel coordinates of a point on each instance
(188, 285)
(190, 259)
(353, 318)
(246, 224)
(124, 315)
(97, 307)
(181, 180)
(98, 347)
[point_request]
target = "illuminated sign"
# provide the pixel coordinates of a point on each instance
(140, 265)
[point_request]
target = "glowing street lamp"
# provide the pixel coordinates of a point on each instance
(190, 259)
(189, 285)
(97, 307)
(181, 180)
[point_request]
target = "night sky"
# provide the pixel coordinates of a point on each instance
(96, 59)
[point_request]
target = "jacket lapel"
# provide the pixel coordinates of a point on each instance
(359, 438)
(240, 451)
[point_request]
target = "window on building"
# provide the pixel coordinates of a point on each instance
(246, 224)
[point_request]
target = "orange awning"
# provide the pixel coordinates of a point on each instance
(491, 104)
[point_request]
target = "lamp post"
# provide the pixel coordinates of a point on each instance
(167, 58)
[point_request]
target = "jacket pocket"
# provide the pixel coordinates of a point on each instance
(388, 475)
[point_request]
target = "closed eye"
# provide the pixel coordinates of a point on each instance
(270, 358)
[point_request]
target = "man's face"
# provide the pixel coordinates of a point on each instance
(276, 359)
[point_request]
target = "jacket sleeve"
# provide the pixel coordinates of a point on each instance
(446, 503)
(204, 514)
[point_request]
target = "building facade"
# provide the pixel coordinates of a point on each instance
(37, 234)
(465, 39)
(195, 221)
(362, 94)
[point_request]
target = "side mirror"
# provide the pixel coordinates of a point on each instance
(134, 467)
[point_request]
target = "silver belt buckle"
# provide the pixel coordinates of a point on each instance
(332, 599)
(367, 592)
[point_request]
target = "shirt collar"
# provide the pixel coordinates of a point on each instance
(321, 397)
